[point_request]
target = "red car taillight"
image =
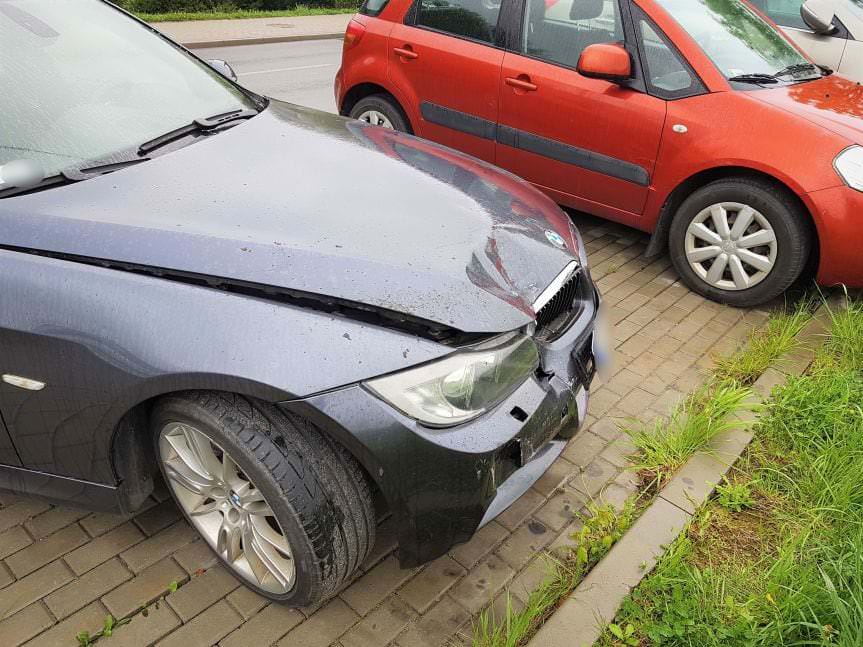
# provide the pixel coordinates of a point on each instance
(353, 34)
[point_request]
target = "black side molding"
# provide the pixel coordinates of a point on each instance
(461, 121)
(523, 140)
(568, 154)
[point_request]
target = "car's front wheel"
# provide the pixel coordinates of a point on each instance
(740, 241)
(380, 110)
(286, 509)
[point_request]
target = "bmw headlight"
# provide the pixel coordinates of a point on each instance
(462, 386)
(849, 165)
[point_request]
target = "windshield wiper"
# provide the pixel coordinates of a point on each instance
(78, 173)
(128, 157)
(797, 68)
(203, 125)
(45, 183)
(754, 78)
(92, 169)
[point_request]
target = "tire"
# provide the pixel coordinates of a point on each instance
(775, 212)
(317, 493)
(383, 105)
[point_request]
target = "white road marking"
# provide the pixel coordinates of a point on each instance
(287, 69)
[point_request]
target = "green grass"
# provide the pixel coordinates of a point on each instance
(299, 10)
(778, 337)
(777, 558)
(603, 527)
(664, 446)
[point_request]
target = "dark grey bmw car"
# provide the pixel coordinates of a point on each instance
(303, 322)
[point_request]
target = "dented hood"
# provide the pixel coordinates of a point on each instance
(306, 201)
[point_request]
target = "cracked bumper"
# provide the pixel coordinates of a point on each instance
(442, 485)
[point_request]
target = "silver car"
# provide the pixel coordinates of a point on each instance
(830, 31)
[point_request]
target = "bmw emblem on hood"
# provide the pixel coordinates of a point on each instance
(555, 239)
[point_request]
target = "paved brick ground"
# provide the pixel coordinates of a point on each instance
(63, 570)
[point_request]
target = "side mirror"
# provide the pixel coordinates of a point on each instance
(609, 61)
(222, 68)
(818, 17)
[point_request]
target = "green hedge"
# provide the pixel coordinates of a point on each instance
(166, 6)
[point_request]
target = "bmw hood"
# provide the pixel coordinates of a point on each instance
(305, 201)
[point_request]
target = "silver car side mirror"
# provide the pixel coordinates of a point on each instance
(222, 68)
(818, 16)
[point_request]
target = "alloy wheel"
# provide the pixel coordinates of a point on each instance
(376, 118)
(226, 507)
(731, 246)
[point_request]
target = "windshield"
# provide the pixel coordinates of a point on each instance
(736, 39)
(81, 81)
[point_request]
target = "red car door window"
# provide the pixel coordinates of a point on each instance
(590, 143)
(559, 32)
(666, 73)
(474, 19)
(444, 60)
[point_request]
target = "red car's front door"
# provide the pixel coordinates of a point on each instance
(444, 60)
(590, 143)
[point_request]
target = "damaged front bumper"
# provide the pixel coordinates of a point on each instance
(442, 485)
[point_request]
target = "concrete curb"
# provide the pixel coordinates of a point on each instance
(232, 42)
(582, 617)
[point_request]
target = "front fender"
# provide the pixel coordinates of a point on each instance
(104, 340)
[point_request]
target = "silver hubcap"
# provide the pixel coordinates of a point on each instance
(226, 508)
(731, 246)
(376, 118)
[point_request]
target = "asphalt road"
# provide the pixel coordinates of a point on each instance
(300, 72)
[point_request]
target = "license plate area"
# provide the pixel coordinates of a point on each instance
(531, 443)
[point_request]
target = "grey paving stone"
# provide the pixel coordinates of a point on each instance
(428, 586)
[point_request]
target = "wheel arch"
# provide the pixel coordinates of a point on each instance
(131, 446)
(128, 445)
(362, 90)
(659, 239)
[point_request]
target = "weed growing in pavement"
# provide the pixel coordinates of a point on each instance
(602, 527)
(665, 446)
(86, 639)
(765, 346)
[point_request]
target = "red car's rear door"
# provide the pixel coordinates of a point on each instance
(590, 143)
(444, 58)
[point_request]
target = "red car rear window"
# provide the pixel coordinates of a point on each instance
(373, 7)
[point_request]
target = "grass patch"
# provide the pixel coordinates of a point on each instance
(299, 10)
(765, 346)
(663, 447)
(666, 445)
(777, 557)
(603, 527)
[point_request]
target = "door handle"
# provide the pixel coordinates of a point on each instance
(406, 52)
(521, 82)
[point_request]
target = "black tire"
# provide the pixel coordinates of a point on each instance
(790, 224)
(387, 107)
(318, 492)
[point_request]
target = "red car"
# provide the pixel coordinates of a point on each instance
(692, 119)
